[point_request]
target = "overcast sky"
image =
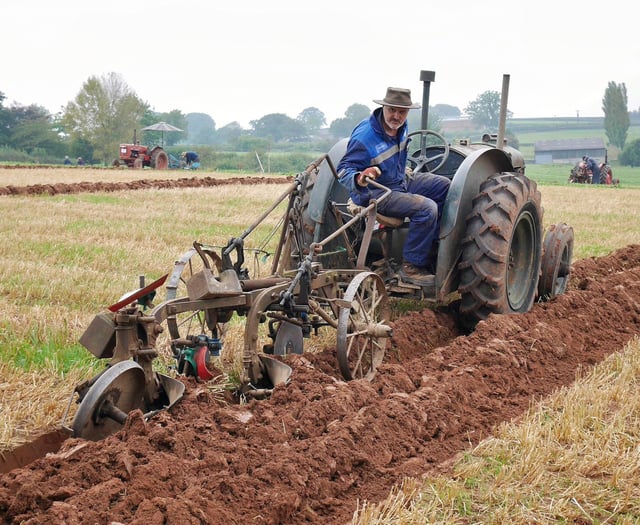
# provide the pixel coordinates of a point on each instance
(240, 60)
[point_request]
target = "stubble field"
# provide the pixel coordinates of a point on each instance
(489, 427)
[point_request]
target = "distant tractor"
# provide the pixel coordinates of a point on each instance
(137, 156)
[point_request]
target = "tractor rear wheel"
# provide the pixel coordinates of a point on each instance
(501, 255)
(159, 160)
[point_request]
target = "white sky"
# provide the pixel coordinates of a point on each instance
(240, 60)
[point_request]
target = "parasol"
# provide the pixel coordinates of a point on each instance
(162, 127)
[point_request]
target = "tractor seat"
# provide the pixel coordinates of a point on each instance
(385, 220)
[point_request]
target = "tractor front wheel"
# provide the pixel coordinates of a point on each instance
(555, 268)
(501, 255)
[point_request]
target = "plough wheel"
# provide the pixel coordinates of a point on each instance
(363, 334)
(104, 408)
(211, 321)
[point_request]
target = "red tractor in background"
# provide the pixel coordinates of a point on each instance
(137, 156)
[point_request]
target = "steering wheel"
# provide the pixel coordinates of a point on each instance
(421, 159)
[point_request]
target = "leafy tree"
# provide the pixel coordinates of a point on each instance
(201, 129)
(105, 113)
(414, 121)
(356, 113)
(250, 143)
(227, 134)
(616, 114)
(512, 139)
(485, 110)
(80, 147)
(32, 127)
(168, 138)
(445, 111)
(312, 119)
(277, 127)
(4, 121)
(630, 155)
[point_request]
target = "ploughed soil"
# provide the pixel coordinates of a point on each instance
(319, 445)
(142, 184)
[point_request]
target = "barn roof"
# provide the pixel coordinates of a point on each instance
(569, 144)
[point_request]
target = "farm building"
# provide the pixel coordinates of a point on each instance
(569, 151)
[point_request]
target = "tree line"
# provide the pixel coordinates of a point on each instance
(107, 112)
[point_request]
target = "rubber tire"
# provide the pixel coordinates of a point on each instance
(501, 255)
(159, 160)
(555, 269)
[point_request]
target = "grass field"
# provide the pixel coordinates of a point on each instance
(64, 258)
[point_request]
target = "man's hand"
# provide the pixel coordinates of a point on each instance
(372, 172)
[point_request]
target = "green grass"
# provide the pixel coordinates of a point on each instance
(558, 175)
(530, 137)
(43, 349)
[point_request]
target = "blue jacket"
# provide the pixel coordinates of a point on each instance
(368, 146)
(595, 169)
(191, 156)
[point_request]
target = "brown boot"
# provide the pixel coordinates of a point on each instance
(415, 275)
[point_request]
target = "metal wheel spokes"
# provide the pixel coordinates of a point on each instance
(363, 332)
(194, 322)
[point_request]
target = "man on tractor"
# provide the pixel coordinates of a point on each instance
(377, 150)
(592, 166)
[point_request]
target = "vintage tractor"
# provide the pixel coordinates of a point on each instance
(580, 174)
(138, 157)
(334, 267)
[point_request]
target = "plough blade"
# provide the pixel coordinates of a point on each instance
(278, 373)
